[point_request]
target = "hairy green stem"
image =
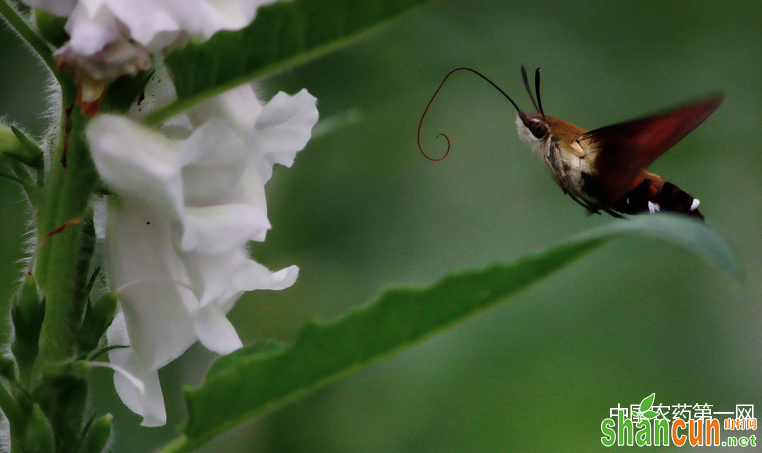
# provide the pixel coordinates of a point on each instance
(59, 242)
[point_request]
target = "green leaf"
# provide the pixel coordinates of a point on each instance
(649, 414)
(227, 363)
(251, 382)
(647, 402)
(33, 155)
(123, 91)
(282, 35)
(51, 27)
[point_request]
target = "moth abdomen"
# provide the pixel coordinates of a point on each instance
(654, 194)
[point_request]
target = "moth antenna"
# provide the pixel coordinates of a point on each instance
(537, 90)
(529, 90)
(420, 123)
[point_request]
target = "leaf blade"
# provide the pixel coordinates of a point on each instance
(282, 35)
(324, 352)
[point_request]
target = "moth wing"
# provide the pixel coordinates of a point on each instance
(623, 150)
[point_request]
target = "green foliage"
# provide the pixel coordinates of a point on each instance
(282, 35)
(51, 27)
(252, 381)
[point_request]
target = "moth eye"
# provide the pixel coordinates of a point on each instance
(538, 129)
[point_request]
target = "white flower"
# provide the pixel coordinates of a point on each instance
(154, 24)
(178, 225)
(110, 38)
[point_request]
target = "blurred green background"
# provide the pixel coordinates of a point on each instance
(361, 211)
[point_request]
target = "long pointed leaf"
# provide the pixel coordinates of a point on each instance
(252, 381)
(282, 35)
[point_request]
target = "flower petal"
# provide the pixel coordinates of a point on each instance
(91, 28)
(217, 230)
(211, 275)
(204, 18)
(147, 21)
(256, 276)
(213, 160)
(283, 128)
(154, 24)
(137, 162)
(214, 330)
(238, 106)
(147, 401)
(149, 404)
(147, 274)
(253, 194)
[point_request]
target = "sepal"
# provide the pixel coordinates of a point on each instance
(98, 317)
(22, 153)
(39, 435)
(29, 153)
(27, 313)
(30, 428)
(34, 156)
(97, 436)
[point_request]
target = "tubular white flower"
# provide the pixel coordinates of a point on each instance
(179, 221)
(154, 24)
(110, 38)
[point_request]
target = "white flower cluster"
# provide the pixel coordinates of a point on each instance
(176, 233)
(185, 204)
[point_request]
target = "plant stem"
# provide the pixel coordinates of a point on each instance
(59, 241)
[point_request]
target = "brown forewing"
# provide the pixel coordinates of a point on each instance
(625, 149)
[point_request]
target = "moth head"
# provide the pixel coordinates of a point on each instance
(532, 127)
